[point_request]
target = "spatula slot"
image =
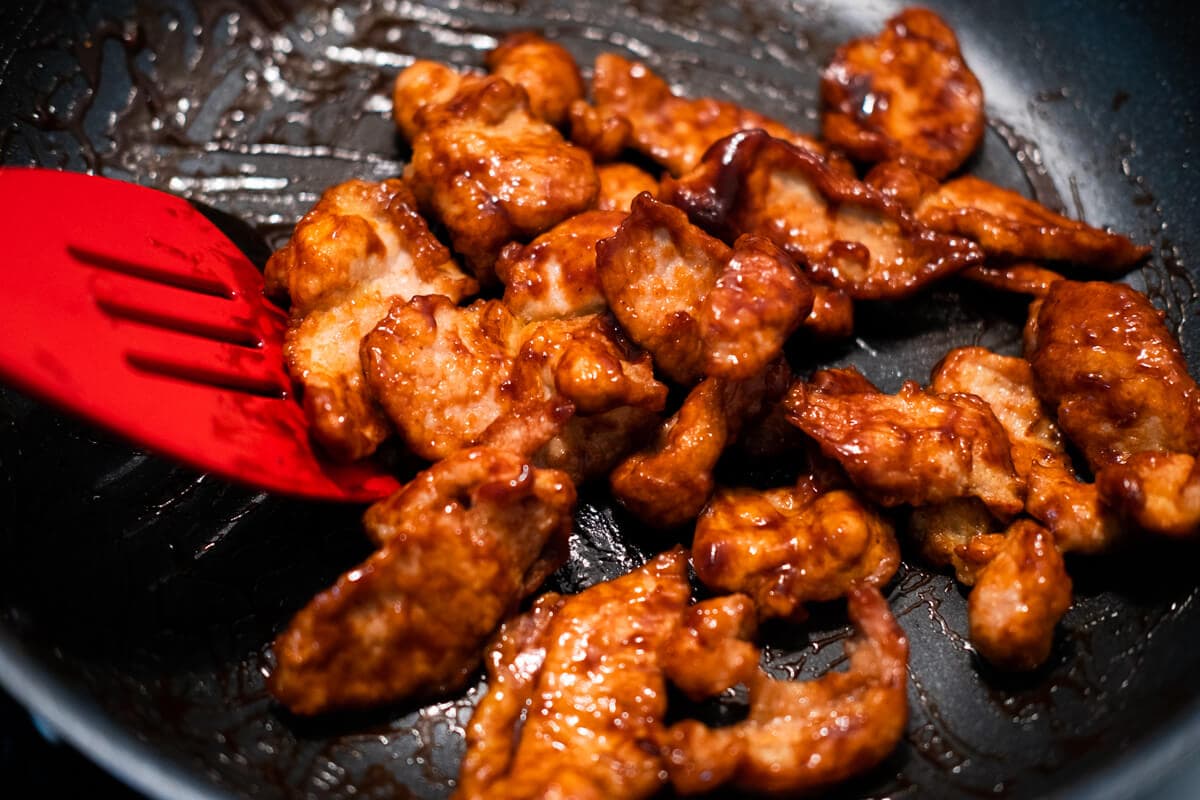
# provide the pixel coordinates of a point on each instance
(203, 284)
(207, 376)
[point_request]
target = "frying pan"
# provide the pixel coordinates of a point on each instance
(137, 598)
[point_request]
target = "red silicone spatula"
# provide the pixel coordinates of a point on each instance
(126, 306)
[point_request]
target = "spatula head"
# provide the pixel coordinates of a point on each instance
(126, 306)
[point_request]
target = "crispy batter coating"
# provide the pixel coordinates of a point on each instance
(362, 245)
(800, 737)
(1018, 599)
(589, 448)
(544, 69)
(1072, 510)
(790, 546)
(555, 274)
(1010, 226)
(1106, 363)
(915, 447)
(1158, 492)
(711, 652)
(672, 130)
(463, 543)
(668, 483)
(440, 371)
(603, 134)
(905, 94)
(832, 314)
(620, 183)
(846, 234)
(576, 693)
(700, 308)
(490, 171)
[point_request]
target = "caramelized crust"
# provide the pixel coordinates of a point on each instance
(439, 371)
(916, 447)
(1072, 510)
(361, 246)
(490, 171)
(620, 183)
(698, 307)
(461, 545)
(711, 651)
(1113, 373)
(1018, 599)
(576, 694)
(791, 546)
(555, 274)
(948, 535)
(668, 483)
(905, 94)
(801, 737)
(426, 85)
(846, 234)
(1010, 226)
(544, 69)
(670, 129)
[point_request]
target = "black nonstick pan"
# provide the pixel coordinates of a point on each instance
(137, 598)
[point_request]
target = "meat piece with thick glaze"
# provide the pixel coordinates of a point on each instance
(904, 94)
(915, 447)
(360, 247)
(803, 736)
(845, 233)
(790, 546)
(554, 276)
(699, 307)
(544, 69)
(620, 184)
(673, 130)
(1018, 599)
(576, 695)
(462, 544)
(489, 170)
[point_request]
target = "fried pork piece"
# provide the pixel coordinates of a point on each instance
(544, 69)
(1158, 492)
(439, 371)
(488, 169)
(672, 130)
(1072, 510)
(790, 546)
(905, 94)
(1010, 226)
(447, 375)
(426, 85)
(915, 447)
(668, 483)
(604, 135)
(463, 543)
(1022, 278)
(711, 651)
(832, 314)
(949, 534)
(1018, 599)
(554, 276)
(1115, 376)
(359, 247)
(576, 693)
(845, 233)
(620, 183)
(805, 736)
(698, 307)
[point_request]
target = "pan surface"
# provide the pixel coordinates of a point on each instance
(137, 598)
